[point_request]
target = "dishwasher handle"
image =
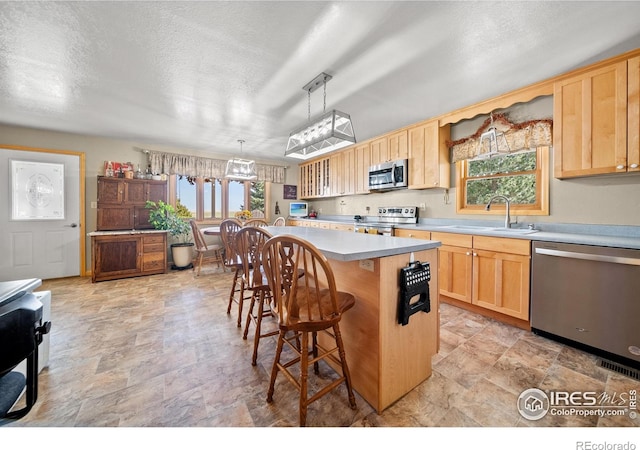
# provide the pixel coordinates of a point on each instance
(588, 256)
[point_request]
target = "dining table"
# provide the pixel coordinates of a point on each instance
(211, 231)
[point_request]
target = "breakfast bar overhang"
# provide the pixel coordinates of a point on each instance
(386, 359)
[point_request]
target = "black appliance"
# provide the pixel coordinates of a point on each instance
(21, 331)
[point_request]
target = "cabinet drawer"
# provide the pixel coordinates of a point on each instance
(153, 247)
(458, 240)
(503, 245)
(416, 234)
(153, 261)
(153, 239)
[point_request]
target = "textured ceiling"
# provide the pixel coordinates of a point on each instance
(201, 75)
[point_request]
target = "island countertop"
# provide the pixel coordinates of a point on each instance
(344, 246)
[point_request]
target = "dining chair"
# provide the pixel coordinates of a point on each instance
(309, 310)
(256, 223)
(203, 249)
(228, 230)
(250, 241)
(280, 222)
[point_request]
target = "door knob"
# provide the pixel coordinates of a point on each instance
(73, 225)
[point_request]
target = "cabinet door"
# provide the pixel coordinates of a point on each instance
(135, 192)
(633, 105)
(116, 257)
(501, 282)
(379, 151)
(110, 190)
(336, 175)
(362, 164)
(429, 156)
(348, 171)
(115, 218)
(590, 123)
(455, 272)
(156, 191)
(398, 146)
(141, 218)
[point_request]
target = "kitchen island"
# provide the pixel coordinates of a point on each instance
(386, 359)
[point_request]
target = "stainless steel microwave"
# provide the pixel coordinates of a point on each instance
(389, 175)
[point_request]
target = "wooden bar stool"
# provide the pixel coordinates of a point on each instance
(228, 230)
(250, 241)
(306, 307)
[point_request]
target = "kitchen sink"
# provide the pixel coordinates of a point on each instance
(469, 227)
(512, 230)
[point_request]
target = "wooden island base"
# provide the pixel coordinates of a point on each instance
(386, 359)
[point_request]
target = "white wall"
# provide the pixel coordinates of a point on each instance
(98, 149)
(604, 200)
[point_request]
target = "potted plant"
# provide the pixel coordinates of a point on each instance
(164, 217)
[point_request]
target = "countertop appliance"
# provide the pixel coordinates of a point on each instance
(389, 175)
(388, 217)
(21, 332)
(588, 295)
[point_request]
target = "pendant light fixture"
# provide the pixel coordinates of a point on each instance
(329, 132)
(240, 169)
(492, 142)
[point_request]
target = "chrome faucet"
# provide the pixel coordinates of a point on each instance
(507, 219)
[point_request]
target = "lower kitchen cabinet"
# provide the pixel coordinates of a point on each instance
(486, 274)
(122, 254)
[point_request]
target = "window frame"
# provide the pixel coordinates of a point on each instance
(540, 208)
(224, 184)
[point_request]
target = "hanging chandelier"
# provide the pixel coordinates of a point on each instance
(331, 131)
(240, 169)
(492, 142)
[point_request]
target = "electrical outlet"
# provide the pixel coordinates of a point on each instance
(423, 206)
(366, 264)
(94, 205)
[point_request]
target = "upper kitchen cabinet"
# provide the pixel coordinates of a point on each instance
(342, 175)
(429, 161)
(314, 180)
(121, 202)
(362, 161)
(590, 123)
(633, 111)
(389, 147)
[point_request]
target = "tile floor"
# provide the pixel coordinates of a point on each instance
(160, 351)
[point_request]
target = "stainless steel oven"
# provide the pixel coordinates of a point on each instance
(389, 175)
(388, 217)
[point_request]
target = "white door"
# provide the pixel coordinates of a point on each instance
(39, 215)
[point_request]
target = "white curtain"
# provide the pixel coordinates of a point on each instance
(196, 166)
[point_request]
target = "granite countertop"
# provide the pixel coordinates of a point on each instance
(120, 232)
(619, 236)
(343, 246)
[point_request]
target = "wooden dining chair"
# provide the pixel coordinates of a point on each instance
(202, 249)
(280, 222)
(228, 230)
(256, 223)
(309, 310)
(250, 241)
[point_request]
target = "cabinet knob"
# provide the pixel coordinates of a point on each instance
(475, 254)
(633, 166)
(620, 167)
(468, 253)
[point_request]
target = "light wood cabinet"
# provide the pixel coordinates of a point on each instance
(492, 273)
(416, 234)
(633, 112)
(314, 180)
(362, 161)
(389, 147)
(429, 160)
(121, 202)
(118, 255)
(342, 227)
(342, 177)
(590, 123)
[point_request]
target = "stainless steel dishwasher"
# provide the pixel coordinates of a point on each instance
(589, 295)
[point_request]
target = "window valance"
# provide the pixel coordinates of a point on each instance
(197, 166)
(520, 136)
